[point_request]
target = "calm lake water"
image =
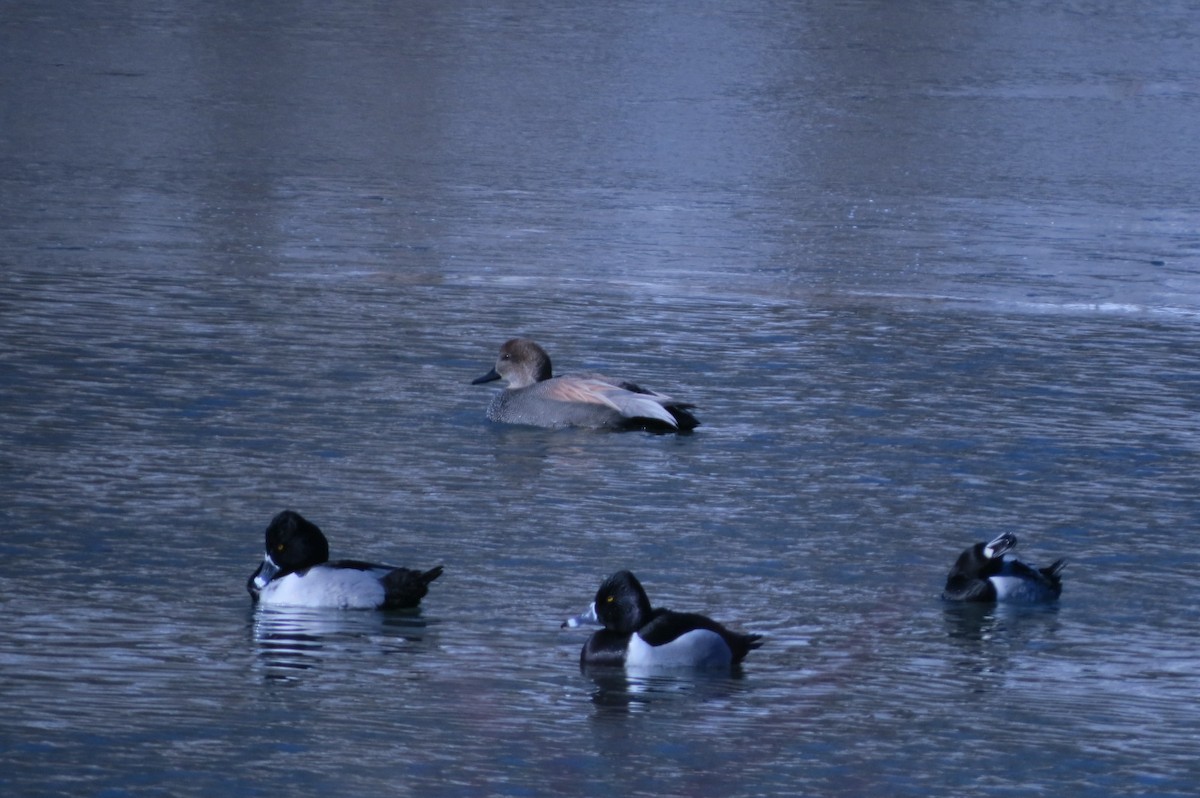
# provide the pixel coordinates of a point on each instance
(929, 271)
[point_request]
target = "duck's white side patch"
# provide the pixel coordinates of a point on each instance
(699, 648)
(338, 588)
(1015, 588)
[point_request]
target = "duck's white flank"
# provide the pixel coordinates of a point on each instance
(699, 648)
(320, 586)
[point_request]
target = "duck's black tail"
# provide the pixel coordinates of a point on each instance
(683, 417)
(744, 645)
(1054, 570)
(404, 588)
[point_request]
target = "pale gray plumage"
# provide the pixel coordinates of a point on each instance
(533, 395)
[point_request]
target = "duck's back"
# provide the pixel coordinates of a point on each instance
(589, 400)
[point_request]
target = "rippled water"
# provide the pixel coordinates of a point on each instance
(929, 274)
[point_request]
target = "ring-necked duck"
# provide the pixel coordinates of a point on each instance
(534, 396)
(986, 572)
(296, 572)
(638, 636)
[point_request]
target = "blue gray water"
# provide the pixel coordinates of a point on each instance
(930, 273)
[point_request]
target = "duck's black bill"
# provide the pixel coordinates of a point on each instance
(489, 377)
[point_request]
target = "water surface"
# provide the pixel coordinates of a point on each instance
(929, 274)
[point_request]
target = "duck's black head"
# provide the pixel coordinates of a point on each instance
(295, 543)
(621, 603)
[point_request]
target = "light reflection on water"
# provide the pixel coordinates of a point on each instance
(290, 639)
(635, 691)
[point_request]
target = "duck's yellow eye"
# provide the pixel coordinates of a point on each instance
(279, 547)
(610, 599)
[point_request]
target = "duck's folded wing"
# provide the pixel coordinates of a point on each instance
(598, 390)
(666, 626)
(635, 405)
(1022, 570)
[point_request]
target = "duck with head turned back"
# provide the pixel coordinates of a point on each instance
(296, 572)
(534, 396)
(989, 572)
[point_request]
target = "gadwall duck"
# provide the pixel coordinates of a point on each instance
(534, 396)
